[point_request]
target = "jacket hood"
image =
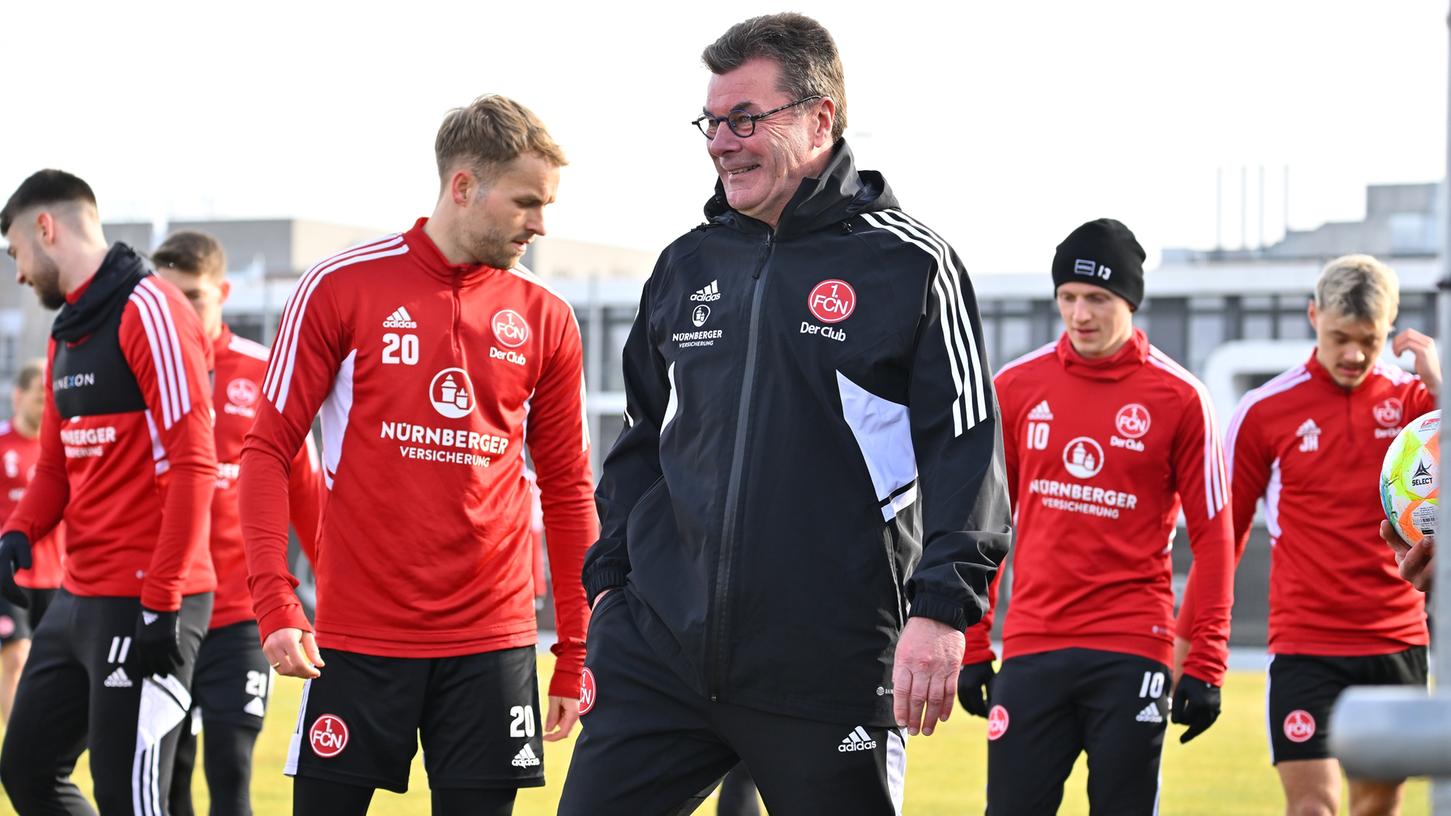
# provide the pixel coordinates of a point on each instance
(113, 282)
(840, 193)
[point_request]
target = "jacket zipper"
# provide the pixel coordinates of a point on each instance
(717, 648)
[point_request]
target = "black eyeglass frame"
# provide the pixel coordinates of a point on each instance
(708, 125)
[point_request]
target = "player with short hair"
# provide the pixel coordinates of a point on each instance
(232, 682)
(27, 593)
(1107, 440)
(1311, 442)
(811, 456)
(127, 460)
(434, 360)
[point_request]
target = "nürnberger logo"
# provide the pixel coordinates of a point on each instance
(242, 392)
(510, 329)
(452, 393)
(1132, 421)
(328, 736)
(832, 301)
(1388, 412)
(1083, 457)
(586, 692)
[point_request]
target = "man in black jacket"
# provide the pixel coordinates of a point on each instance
(807, 502)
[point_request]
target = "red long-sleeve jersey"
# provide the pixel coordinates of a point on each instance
(1313, 449)
(240, 367)
(130, 465)
(18, 455)
(431, 379)
(1101, 456)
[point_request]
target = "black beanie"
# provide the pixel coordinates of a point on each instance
(1103, 253)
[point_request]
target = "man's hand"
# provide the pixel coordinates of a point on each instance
(1196, 704)
(974, 685)
(600, 598)
(562, 715)
(14, 555)
(1428, 362)
(1415, 561)
(929, 657)
(293, 652)
(157, 645)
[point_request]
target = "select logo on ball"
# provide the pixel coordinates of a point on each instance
(997, 722)
(510, 328)
(328, 736)
(1299, 726)
(586, 692)
(831, 301)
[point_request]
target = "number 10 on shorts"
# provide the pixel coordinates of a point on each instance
(1153, 685)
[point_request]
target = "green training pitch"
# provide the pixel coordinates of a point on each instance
(1226, 771)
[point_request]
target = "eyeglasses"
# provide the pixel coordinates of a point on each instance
(741, 123)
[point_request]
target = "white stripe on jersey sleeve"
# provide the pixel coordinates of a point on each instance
(1278, 385)
(174, 337)
(1216, 481)
(963, 329)
(248, 348)
(161, 360)
(955, 349)
(1040, 351)
(278, 382)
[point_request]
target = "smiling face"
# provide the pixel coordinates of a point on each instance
(760, 173)
(1347, 346)
(1098, 322)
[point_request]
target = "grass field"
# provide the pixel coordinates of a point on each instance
(1224, 772)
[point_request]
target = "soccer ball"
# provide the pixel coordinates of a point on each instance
(1410, 478)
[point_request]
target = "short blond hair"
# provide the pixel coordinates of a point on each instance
(490, 132)
(1359, 287)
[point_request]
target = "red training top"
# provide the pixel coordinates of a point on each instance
(1101, 456)
(132, 485)
(1313, 450)
(240, 366)
(431, 378)
(18, 455)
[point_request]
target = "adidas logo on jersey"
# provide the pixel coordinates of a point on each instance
(705, 294)
(1150, 714)
(857, 740)
(400, 319)
(526, 758)
(1041, 412)
(1309, 435)
(118, 679)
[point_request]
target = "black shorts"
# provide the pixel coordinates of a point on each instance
(232, 680)
(1303, 688)
(651, 744)
(476, 715)
(81, 689)
(1048, 707)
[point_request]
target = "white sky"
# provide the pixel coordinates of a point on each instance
(1001, 124)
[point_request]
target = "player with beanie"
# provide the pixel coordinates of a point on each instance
(1106, 439)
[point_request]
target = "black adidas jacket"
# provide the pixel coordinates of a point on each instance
(811, 453)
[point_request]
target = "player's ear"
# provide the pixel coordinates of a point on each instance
(226, 289)
(1310, 311)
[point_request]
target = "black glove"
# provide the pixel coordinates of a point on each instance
(974, 684)
(158, 642)
(14, 555)
(1196, 704)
